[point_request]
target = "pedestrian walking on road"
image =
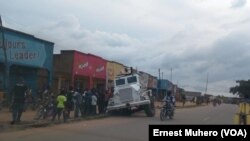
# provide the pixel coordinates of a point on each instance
(18, 100)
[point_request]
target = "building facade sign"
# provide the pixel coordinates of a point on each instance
(26, 50)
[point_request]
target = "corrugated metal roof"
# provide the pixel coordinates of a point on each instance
(26, 34)
(190, 93)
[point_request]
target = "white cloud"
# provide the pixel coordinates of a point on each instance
(192, 37)
(238, 3)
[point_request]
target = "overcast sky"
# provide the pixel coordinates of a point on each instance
(193, 37)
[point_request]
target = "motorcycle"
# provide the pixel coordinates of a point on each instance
(167, 111)
(45, 110)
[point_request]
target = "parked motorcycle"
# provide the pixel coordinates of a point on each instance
(45, 110)
(167, 111)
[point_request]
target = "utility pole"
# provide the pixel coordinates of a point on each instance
(107, 79)
(159, 82)
(5, 54)
(171, 75)
(206, 84)
(159, 74)
(6, 78)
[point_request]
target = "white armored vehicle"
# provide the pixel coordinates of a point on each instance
(131, 94)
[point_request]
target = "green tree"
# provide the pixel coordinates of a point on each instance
(242, 89)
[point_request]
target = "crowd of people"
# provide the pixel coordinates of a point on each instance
(81, 102)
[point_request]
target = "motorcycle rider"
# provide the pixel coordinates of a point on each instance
(169, 98)
(168, 108)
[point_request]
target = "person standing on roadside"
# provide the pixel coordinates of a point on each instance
(87, 102)
(93, 102)
(70, 103)
(18, 100)
(108, 95)
(77, 98)
(60, 106)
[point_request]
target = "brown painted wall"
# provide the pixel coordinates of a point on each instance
(66, 61)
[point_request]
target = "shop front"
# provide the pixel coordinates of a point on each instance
(113, 69)
(24, 56)
(163, 86)
(80, 70)
(89, 71)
